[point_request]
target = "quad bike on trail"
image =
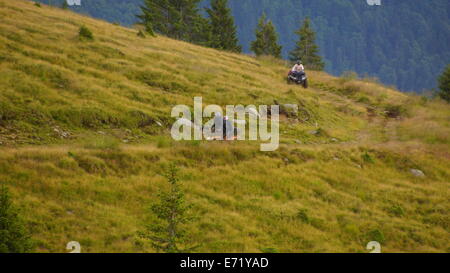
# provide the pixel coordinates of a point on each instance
(297, 78)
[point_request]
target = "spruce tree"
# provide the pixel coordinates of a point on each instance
(306, 48)
(184, 14)
(201, 32)
(64, 5)
(13, 235)
(193, 27)
(266, 39)
(444, 84)
(167, 234)
(178, 19)
(155, 16)
(223, 29)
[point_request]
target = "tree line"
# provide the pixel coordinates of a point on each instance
(182, 20)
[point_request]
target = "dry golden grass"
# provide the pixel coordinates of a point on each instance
(319, 196)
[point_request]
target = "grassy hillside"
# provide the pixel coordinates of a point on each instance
(85, 137)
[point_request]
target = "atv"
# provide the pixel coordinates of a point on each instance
(300, 79)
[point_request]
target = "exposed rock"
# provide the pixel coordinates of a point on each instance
(291, 107)
(61, 133)
(417, 173)
(298, 141)
(290, 110)
(334, 140)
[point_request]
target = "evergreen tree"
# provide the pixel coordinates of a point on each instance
(64, 5)
(194, 28)
(184, 19)
(85, 33)
(178, 19)
(223, 29)
(13, 235)
(306, 48)
(155, 16)
(266, 39)
(167, 234)
(201, 32)
(444, 84)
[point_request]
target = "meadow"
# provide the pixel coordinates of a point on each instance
(85, 138)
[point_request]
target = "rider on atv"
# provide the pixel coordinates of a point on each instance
(297, 75)
(298, 70)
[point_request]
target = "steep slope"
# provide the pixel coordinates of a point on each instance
(395, 41)
(84, 135)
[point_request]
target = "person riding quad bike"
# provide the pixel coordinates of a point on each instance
(297, 75)
(227, 131)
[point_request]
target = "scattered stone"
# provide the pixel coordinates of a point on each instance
(159, 123)
(61, 133)
(286, 160)
(334, 140)
(290, 110)
(292, 107)
(314, 132)
(101, 132)
(125, 141)
(128, 131)
(336, 158)
(298, 141)
(417, 173)
(70, 212)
